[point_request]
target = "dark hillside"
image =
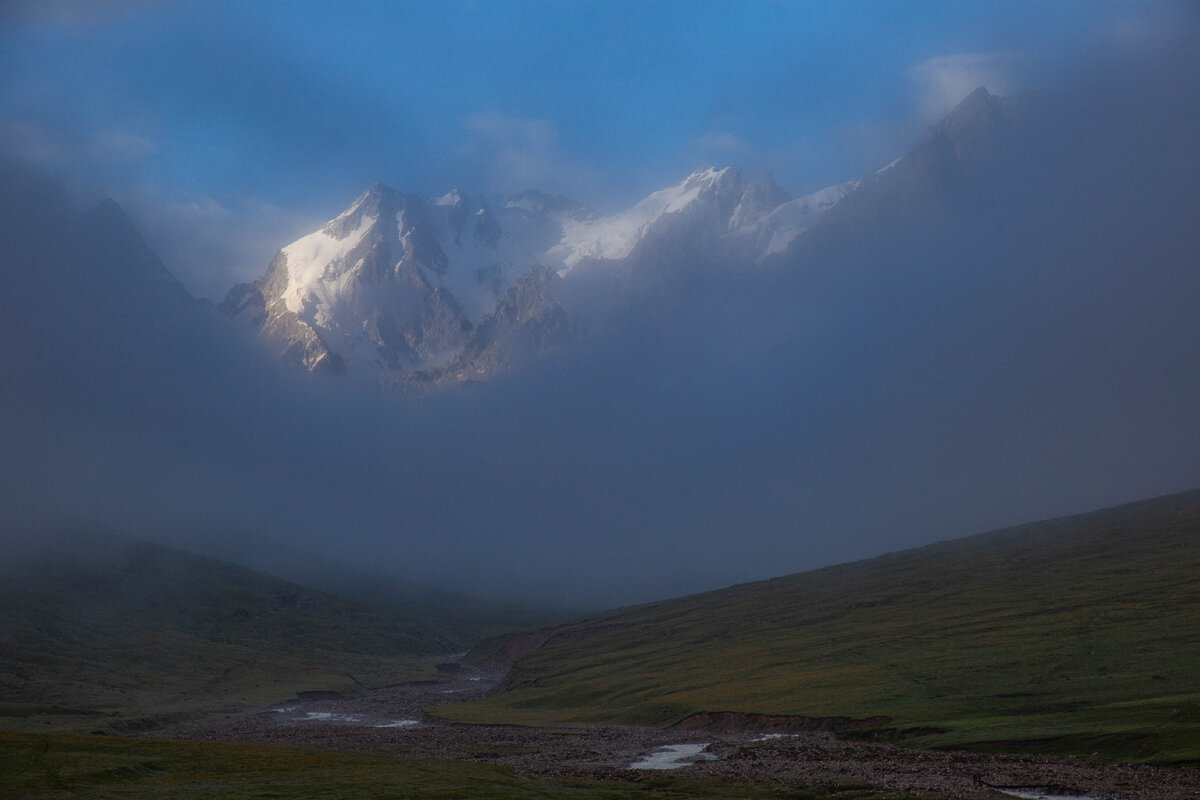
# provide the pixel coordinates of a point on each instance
(1079, 634)
(96, 628)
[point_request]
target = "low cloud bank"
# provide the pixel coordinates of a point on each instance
(1027, 346)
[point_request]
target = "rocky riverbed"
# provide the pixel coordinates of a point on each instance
(392, 721)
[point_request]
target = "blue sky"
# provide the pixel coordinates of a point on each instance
(228, 128)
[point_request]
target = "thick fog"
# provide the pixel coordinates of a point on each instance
(1023, 342)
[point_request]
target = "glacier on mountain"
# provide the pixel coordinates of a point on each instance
(395, 284)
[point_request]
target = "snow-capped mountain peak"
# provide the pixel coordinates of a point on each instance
(774, 230)
(708, 183)
(396, 282)
(614, 237)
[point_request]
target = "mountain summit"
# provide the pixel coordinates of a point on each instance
(403, 288)
(395, 285)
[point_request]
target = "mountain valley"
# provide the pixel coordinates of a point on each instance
(376, 479)
(918, 673)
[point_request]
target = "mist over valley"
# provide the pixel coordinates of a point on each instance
(325, 407)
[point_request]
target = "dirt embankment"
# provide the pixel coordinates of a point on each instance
(737, 721)
(500, 652)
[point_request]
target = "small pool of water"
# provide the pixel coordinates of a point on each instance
(1039, 794)
(295, 714)
(673, 756)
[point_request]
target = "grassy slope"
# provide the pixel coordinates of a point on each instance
(34, 767)
(1074, 635)
(103, 631)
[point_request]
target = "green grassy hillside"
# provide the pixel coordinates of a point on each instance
(1079, 634)
(103, 631)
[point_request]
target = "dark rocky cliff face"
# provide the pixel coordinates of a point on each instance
(529, 319)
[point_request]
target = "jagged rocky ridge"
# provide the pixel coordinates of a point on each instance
(419, 292)
(457, 289)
